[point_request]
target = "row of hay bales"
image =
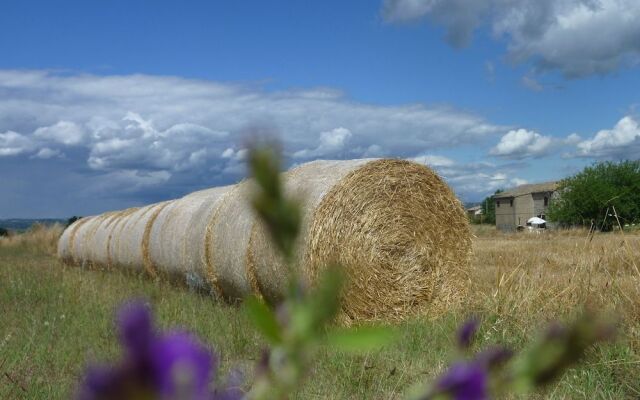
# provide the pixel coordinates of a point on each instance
(394, 226)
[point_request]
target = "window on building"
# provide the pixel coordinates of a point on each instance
(546, 201)
(497, 203)
(511, 203)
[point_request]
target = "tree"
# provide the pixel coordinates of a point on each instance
(587, 196)
(4, 232)
(489, 208)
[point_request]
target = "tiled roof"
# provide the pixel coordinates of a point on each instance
(529, 188)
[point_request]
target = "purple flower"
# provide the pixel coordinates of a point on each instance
(467, 331)
(464, 381)
(493, 356)
(156, 366)
(181, 366)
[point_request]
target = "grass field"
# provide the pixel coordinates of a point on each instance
(56, 318)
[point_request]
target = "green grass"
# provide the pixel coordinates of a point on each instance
(56, 319)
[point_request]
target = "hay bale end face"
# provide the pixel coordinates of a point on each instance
(395, 227)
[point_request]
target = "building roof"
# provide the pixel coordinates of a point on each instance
(529, 188)
(474, 208)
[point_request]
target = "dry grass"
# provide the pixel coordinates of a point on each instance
(57, 317)
(40, 237)
(527, 277)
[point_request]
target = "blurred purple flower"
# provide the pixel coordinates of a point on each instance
(493, 356)
(467, 332)
(463, 381)
(156, 366)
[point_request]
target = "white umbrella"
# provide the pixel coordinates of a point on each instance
(536, 221)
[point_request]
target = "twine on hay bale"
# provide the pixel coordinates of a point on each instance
(148, 264)
(126, 244)
(117, 224)
(397, 229)
(98, 243)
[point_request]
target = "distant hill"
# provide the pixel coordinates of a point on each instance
(21, 224)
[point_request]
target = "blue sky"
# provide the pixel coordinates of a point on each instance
(120, 103)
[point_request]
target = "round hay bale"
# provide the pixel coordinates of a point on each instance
(116, 225)
(98, 245)
(227, 241)
(65, 247)
(79, 239)
(174, 247)
(196, 245)
(127, 246)
(396, 228)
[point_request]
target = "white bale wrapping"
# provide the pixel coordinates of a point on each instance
(173, 249)
(127, 248)
(230, 233)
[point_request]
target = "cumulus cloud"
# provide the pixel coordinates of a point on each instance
(621, 142)
(182, 134)
(522, 143)
(576, 37)
(63, 132)
(331, 142)
(106, 114)
(13, 143)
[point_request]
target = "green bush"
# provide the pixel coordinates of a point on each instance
(597, 194)
(4, 232)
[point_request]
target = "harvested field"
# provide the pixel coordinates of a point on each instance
(519, 283)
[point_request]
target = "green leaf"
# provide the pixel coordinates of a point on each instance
(264, 319)
(365, 338)
(324, 300)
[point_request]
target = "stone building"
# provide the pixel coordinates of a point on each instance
(515, 206)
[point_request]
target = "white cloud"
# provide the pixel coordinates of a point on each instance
(521, 143)
(572, 139)
(150, 124)
(576, 37)
(63, 132)
(623, 141)
(13, 143)
(434, 160)
(330, 143)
